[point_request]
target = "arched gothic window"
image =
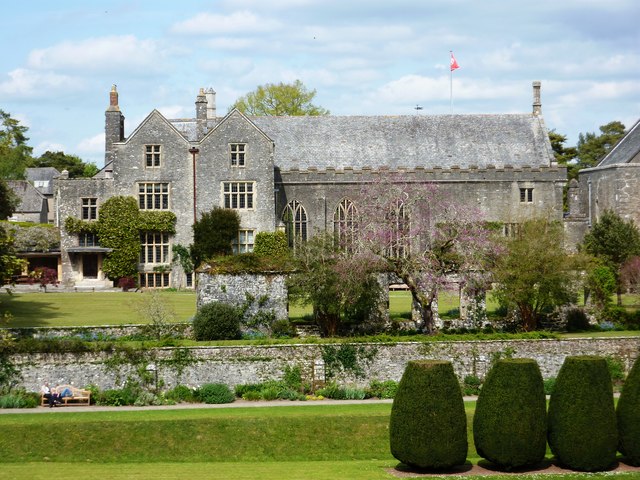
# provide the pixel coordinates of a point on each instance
(400, 226)
(294, 218)
(345, 224)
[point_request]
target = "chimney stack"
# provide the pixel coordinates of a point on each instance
(201, 114)
(113, 126)
(211, 103)
(537, 106)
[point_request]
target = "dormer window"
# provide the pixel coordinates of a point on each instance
(238, 151)
(152, 156)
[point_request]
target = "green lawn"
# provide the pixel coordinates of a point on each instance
(91, 308)
(293, 442)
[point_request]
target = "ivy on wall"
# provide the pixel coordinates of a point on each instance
(118, 227)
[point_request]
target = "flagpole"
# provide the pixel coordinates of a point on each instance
(451, 82)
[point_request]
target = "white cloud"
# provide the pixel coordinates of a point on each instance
(91, 145)
(113, 54)
(48, 146)
(241, 23)
(29, 83)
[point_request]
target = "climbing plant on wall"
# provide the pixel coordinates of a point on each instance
(118, 227)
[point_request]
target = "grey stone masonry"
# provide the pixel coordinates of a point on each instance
(376, 361)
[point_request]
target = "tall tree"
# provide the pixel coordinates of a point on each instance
(592, 147)
(535, 274)
(564, 155)
(340, 285)
(279, 99)
(15, 154)
(61, 161)
(423, 236)
(214, 233)
(8, 200)
(614, 241)
(9, 262)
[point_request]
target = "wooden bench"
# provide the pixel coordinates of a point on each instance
(78, 396)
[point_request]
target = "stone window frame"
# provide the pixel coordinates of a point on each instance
(88, 239)
(296, 223)
(345, 224)
(238, 154)
(399, 221)
(155, 248)
(154, 279)
(526, 194)
(238, 195)
(153, 156)
(153, 195)
(244, 241)
(89, 208)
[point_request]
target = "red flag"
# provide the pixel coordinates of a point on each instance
(454, 64)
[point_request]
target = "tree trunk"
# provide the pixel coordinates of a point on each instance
(422, 304)
(529, 320)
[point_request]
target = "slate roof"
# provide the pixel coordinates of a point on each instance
(31, 200)
(626, 149)
(402, 141)
(43, 174)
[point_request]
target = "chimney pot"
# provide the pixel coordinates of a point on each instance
(537, 105)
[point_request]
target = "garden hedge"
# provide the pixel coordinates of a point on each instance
(428, 424)
(628, 413)
(582, 431)
(510, 422)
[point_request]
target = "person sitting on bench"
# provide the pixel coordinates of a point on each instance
(51, 395)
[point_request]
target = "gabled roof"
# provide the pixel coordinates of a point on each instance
(402, 141)
(41, 175)
(626, 149)
(31, 200)
(155, 113)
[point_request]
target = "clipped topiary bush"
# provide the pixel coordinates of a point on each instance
(216, 393)
(582, 430)
(510, 422)
(217, 321)
(428, 425)
(628, 413)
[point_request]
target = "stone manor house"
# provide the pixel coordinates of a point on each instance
(301, 174)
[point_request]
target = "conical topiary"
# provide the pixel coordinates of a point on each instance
(628, 413)
(428, 426)
(582, 430)
(510, 422)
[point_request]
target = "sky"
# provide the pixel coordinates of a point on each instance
(362, 57)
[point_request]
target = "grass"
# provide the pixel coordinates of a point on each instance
(86, 309)
(294, 442)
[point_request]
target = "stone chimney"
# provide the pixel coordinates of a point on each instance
(537, 106)
(211, 103)
(201, 114)
(114, 125)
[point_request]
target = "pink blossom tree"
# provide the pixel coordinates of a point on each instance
(424, 236)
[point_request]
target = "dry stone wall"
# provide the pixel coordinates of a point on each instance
(235, 365)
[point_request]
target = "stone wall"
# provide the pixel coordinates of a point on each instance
(235, 365)
(263, 292)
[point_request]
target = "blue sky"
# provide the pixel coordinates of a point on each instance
(362, 57)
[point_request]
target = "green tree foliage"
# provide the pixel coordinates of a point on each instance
(601, 284)
(428, 424)
(10, 264)
(564, 155)
(340, 286)
(510, 422)
(582, 431)
(279, 99)
(214, 233)
(61, 161)
(9, 201)
(34, 237)
(15, 154)
(592, 148)
(217, 321)
(628, 414)
(119, 230)
(535, 274)
(613, 241)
